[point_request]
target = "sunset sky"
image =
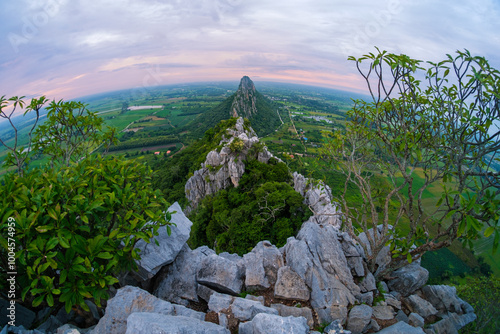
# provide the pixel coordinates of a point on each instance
(67, 49)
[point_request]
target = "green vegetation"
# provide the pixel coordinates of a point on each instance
(483, 293)
(263, 207)
(436, 131)
(74, 225)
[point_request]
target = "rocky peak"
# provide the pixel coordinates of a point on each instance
(224, 167)
(245, 100)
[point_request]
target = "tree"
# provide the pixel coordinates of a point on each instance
(18, 156)
(71, 132)
(440, 132)
(74, 226)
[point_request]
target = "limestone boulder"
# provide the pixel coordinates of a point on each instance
(147, 323)
(179, 283)
(261, 266)
(401, 327)
(419, 305)
(359, 318)
(221, 274)
(286, 311)
(291, 286)
(129, 300)
(408, 279)
(264, 323)
(316, 256)
(154, 257)
(444, 298)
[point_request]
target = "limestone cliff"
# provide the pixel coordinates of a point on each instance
(225, 166)
(245, 100)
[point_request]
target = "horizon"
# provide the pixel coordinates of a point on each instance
(65, 50)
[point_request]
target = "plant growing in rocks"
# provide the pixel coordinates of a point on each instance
(435, 120)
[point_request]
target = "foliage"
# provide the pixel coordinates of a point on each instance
(483, 293)
(172, 173)
(71, 132)
(446, 129)
(263, 207)
(144, 142)
(76, 227)
(19, 156)
(237, 145)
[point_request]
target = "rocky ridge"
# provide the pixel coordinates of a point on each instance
(318, 277)
(245, 101)
(225, 166)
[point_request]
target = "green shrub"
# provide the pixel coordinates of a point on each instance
(76, 227)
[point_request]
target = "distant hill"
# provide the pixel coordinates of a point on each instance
(246, 102)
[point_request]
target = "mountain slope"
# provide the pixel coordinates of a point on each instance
(246, 102)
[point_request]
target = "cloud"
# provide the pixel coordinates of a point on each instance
(75, 48)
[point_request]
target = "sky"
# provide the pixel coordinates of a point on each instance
(65, 49)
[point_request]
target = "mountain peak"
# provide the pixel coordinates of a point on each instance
(245, 100)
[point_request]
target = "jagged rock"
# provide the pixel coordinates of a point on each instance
(367, 298)
(319, 198)
(241, 308)
(68, 329)
(51, 325)
(356, 265)
(262, 265)
(286, 311)
(453, 323)
(245, 309)
(22, 315)
(153, 257)
(401, 327)
(384, 287)
(221, 274)
(401, 316)
(204, 292)
(335, 327)
(408, 279)
(219, 302)
(368, 283)
(245, 100)
(374, 326)
(259, 299)
(147, 322)
(416, 320)
(290, 285)
(444, 298)
(383, 312)
(359, 318)
(419, 305)
(224, 168)
(392, 301)
(264, 323)
(128, 300)
(317, 257)
(179, 285)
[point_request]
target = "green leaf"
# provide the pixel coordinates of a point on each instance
(38, 300)
(149, 213)
(408, 257)
(489, 231)
(50, 299)
(43, 229)
(105, 255)
(63, 241)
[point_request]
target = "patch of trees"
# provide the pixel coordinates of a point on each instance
(143, 142)
(263, 207)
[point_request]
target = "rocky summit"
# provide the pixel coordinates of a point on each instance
(245, 101)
